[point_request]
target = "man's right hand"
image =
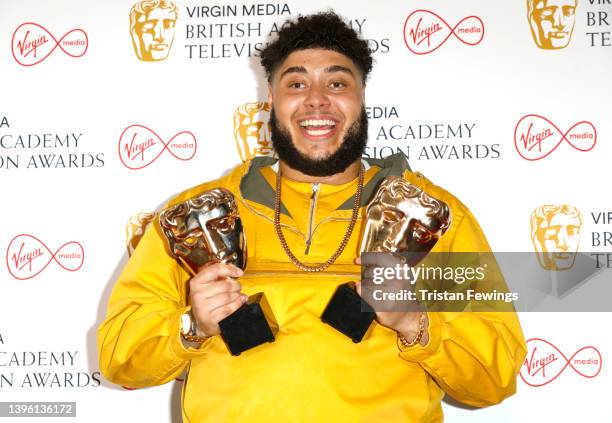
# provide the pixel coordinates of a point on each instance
(214, 294)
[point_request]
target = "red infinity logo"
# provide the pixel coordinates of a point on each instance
(27, 256)
(32, 43)
(425, 31)
(545, 362)
(533, 137)
(140, 146)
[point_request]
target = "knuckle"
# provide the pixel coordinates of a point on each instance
(210, 269)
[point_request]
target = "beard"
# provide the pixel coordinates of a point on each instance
(351, 149)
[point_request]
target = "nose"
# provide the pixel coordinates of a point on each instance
(213, 241)
(159, 32)
(559, 19)
(563, 240)
(317, 97)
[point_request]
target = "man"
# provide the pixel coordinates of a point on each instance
(296, 214)
(555, 233)
(152, 29)
(552, 22)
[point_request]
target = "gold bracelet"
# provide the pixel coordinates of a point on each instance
(402, 343)
(191, 334)
(196, 339)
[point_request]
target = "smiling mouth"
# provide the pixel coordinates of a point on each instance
(318, 128)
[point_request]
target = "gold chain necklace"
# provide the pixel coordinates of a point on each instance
(345, 239)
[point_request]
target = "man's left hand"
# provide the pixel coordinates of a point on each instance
(406, 323)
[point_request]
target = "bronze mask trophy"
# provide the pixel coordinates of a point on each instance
(401, 219)
(207, 228)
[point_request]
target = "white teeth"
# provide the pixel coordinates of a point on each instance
(317, 122)
(316, 133)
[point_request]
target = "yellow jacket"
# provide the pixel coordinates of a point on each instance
(311, 373)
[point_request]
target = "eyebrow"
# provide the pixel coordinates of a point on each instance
(339, 68)
(293, 69)
(329, 69)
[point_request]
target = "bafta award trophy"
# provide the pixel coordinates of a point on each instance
(208, 228)
(401, 219)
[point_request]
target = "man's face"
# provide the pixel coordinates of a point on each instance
(557, 241)
(554, 22)
(401, 225)
(317, 97)
(155, 33)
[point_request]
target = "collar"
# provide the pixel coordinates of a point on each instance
(256, 188)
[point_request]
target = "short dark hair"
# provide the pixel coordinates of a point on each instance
(324, 30)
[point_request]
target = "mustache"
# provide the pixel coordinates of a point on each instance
(351, 149)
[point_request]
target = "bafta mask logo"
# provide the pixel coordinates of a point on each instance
(403, 218)
(555, 233)
(552, 22)
(152, 29)
(252, 130)
(205, 228)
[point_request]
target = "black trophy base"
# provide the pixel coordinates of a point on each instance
(251, 325)
(348, 313)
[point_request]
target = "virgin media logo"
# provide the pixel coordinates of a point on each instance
(140, 146)
(535, 137)
(545, 362)
(425, 31)
(32, 43)
(27, 256)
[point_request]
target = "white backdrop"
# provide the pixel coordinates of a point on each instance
(484, 88)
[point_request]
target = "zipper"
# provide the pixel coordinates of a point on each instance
(313, 208)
